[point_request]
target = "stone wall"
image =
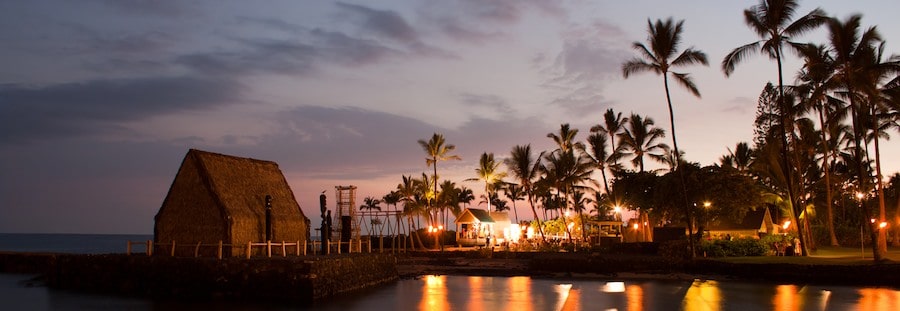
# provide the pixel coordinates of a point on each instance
(300, 280)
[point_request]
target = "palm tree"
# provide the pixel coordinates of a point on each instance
(567, 173)
(664, 38)
(488, 171)
(525, 169)
(448, 199)
(857, 71)
(818, 67)
(613, 123)
(598, 155)
(407, 189)
(771, 20)
(514, 193)
(741, 157)
(579, 202)
(437, 150)
(639, 140)
(465, 195)
(391, 199)
(565, 139)
(369, 204)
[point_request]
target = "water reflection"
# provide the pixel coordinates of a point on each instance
(787, 298)
(526, 294)
(434, 295)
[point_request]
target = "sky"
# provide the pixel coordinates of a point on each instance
(101, 100)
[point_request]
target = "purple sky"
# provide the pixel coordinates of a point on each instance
(100, 100)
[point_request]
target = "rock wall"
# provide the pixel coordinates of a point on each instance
(292, 279)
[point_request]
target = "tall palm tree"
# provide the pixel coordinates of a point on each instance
(437, 150)
(489, 171)
(525, 169)
(598, 155)
(664, 38)
(771, 20)
(817, 69)
(857, 70)
(639, 139)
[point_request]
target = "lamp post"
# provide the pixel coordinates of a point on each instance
(437, 232)
(862, 245)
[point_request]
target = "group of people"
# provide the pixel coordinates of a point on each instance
(786, 247)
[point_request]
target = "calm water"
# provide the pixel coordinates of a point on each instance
(69, 243)
(466, 293)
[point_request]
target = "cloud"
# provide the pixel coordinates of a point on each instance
(387, 24)
(590, 54)
(260, 56)
(390, 27)
(489, 102)
(152, 7)
(740, 105)
(509, 11)
(71, 109)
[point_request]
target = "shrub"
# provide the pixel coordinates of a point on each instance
(677, 249)
(734, 248)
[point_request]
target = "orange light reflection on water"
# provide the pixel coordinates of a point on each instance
(434, 295)
(573, 301)
(519, 289)
(476, 292)
(787, 298)
(878, 299)
(635, 297)
(703, 295)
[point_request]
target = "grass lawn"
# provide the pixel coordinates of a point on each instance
(822, 256)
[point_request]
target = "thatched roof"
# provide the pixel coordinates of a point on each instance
(213, 190)
(753, 220)
(470, 215)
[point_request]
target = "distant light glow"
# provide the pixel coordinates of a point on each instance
(614, 287)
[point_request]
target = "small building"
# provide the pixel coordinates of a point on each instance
(474, 227)
(217, 198)
(756, 223)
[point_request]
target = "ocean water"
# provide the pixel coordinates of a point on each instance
(70, 243)
(446, 293)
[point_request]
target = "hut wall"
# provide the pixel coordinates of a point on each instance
(242, 185)
(189, 215)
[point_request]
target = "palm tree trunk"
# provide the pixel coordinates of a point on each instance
(882, 214)
(536, 218)
(787, 170)
(896, 242)
(826, 150)
(857, 135)
(515, 211)
(687, 206)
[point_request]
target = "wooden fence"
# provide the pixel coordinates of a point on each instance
(297, 248)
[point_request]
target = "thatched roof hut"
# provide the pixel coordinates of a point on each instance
(756, 222)
(217, 197)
